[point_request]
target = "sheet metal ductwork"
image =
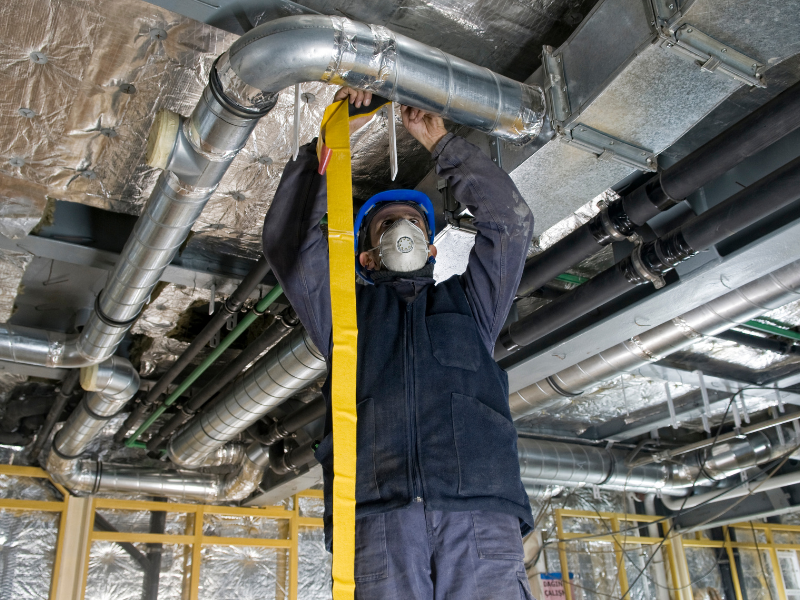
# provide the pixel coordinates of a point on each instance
(749, 301)
(555, 463)
(293, 365)
(338, 51)
(111, 384)
(91, 477)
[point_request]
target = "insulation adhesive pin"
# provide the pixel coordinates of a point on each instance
(672, 416)
(781, 408)
(212, 299)
(296, 125)
(706, 404)
(392, 139)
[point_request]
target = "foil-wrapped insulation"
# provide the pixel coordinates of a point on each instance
(753, 299)
(255, 573)
(370, 57)
(28, 541)
(291, 366)
(567, 225)
(704, 573)
(12, 269)
(229, 454)
(22, 205)
(731, 352)
(114, 573)
(313, 565)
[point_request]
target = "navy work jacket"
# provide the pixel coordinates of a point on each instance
(433, 416)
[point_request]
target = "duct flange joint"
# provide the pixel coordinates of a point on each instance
(607, 147)
(555, 86)
(713, 56)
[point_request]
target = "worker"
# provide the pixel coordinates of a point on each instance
(440, 506)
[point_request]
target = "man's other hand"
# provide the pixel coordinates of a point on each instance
(426, 127)
(357, 98)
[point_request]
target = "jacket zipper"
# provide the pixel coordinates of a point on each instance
(411, 404)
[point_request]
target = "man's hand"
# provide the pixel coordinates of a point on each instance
(426, 127)
(357, 98)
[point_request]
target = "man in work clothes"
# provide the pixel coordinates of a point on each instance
(439, 500)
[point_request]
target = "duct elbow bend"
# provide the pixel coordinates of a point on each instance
(242, 483)
(115, 378)
(335, 50)
(78, 476)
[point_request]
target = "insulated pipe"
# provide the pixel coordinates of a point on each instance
(648, 263)
(292, 365)
(272, 335)
(291, 461)
(111, 383)
(285, 427)
(777, 118)
(91, 477)
(335, 50)
(760, 343)
(63, 396)
(755, 298)
(231, 306)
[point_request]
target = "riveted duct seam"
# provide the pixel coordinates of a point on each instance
(742, 304)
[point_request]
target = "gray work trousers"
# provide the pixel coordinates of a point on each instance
(419, 554)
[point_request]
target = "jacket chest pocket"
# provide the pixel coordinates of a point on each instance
(454, 340)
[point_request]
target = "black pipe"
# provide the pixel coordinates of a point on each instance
(652, 260)
(269, 337)
(102, 524)
(158, 522)
(63, 396)
(291, 461)
(777, 118)
(760, 343)
(14, 439)
(231, 306)
(285, 427)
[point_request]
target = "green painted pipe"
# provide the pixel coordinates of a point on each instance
(242, 326)
(773, 329)
(570, 278)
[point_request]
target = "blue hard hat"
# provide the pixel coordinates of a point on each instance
(420, 200)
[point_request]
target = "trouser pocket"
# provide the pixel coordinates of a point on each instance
(524, 586)
(372, 560)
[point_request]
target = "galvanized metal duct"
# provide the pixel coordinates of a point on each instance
(335, 50)
(111, 383)
(755, 298)
(91, 477)
(292, 365)
(556, 463)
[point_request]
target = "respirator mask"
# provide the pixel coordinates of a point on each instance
(403, 247)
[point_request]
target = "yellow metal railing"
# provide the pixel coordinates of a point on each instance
(621, 531)
(39, 505)
(194, 539)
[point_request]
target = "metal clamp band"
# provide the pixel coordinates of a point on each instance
(107, 320)
(559, 390)
(609, 228)
(641, 269)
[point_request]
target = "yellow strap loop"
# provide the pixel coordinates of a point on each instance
(336, 125)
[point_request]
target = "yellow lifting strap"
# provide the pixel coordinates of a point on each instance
(336, 128)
